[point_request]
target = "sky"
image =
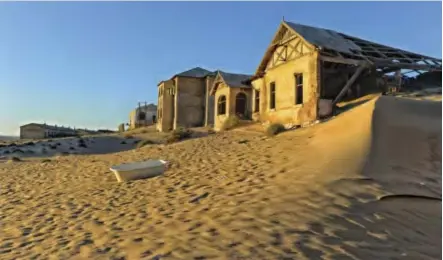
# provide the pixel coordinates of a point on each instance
(87, 64)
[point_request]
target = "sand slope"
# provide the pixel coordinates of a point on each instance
(323, 192)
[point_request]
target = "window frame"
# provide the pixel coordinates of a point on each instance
(272, 95)
(221, 101)
(298, 86)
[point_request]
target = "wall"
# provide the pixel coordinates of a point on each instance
(165, 106)
(189, 102)
(209, 108)
(286, 112)
(32, 132)
(231, 94)
(222, 89)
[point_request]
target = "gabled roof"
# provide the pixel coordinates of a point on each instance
(196, 72)
(232, 80)
(331, 43)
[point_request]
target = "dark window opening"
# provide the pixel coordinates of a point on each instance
(240, 104)
(257, 101)
(141, 116)
(298, 89)
(272, 97)
(221, 105)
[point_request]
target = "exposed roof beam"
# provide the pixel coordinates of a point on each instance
(344, 60)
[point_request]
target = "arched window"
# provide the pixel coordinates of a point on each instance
(221, 105)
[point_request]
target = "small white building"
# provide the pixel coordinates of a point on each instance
(143, 116)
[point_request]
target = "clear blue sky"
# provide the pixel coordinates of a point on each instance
(87, 64)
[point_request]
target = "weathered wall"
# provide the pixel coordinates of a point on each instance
(165, 106)
(190, 102)
(231, 94)
(286, 112)
(32, 132)
(219, 119)
(209, 108)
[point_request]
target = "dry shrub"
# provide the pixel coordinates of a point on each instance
(144, 142)
(129, 136)
(274, 129)
(178, 135)
(230, 122)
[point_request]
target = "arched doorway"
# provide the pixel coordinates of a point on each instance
(240, 104)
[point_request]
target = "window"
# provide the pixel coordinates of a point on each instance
(257, 101)
(272, 96)
(298, 89)
(221, 105)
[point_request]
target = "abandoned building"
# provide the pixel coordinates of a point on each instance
(143, 115)
(183, 99)
(306, 70)
(233, 97)
(41, 131)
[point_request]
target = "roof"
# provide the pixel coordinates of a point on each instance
(324, 38)
(235, 80)
(196, 72)
(148, 107)
(232, 80)
(335, 44)
(50, 127)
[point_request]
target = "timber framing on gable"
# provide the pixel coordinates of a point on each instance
(288, 47)
(288, 44)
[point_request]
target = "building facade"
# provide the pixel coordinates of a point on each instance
(144, 115)
(233, 94)
(183, 100)
(41, 131)
(306, 70)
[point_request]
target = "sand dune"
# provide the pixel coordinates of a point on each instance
(365, 185)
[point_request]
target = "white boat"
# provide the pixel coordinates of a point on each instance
(138, 170)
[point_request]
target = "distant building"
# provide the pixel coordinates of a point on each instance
(40, 131)
(143, 116)
(183, 99)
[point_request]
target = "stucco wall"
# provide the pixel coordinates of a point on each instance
(219, 119)
(209, 108)
(165, 107)
(190, 102)
(286, 111)
(231, 94)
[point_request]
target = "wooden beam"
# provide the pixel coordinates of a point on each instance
(343, 60)
(412, 66)
(349, 83)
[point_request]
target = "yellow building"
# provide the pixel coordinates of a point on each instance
(306, 70)
(232, 95)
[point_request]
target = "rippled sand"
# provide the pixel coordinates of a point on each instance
(364, 185)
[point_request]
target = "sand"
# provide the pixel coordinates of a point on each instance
(364, 185)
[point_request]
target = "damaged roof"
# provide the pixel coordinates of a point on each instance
(324, 38)
(335, 44)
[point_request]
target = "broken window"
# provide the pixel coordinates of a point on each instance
(298, 89)
(272, 96)
(257, 101)
(141, 116)
(221, 105)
